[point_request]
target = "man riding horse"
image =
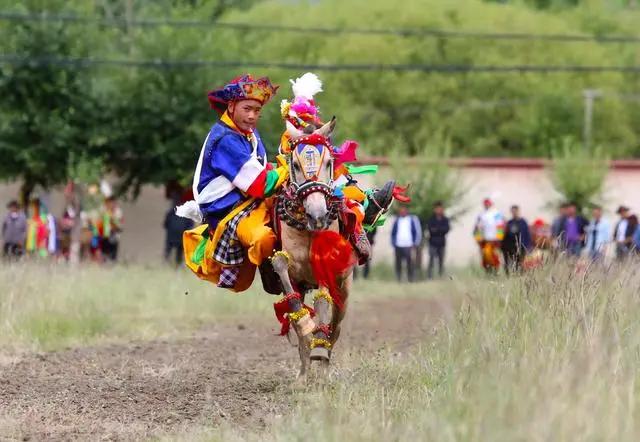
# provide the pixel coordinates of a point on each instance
(232, 185)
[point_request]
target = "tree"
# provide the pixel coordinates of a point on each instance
(579, 174)
(46, 109)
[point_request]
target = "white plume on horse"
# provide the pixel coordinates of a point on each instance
(306, 86)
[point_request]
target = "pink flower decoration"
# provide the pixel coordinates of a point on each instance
(346, 153)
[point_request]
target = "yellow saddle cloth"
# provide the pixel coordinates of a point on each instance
(199, 248)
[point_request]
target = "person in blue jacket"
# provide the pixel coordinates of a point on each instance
(516, 242)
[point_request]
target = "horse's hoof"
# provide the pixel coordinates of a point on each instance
(319, 354)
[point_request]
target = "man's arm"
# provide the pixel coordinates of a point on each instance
(418, 227)
(447, 227)
(233, 159)
(526, 235)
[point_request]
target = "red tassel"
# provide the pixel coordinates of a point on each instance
(331, 257)
(282, 308)
(399, 193)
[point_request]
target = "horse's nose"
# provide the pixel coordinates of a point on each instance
(314, 223)
(316, 209)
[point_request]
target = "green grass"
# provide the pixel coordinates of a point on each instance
(553, 355)
(47, 307)
(51, 306)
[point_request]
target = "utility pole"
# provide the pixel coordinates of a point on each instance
(589, 96)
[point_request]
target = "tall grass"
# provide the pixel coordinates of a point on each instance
(48, 306)
(552, 355)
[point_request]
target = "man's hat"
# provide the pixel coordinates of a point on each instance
(244, 87)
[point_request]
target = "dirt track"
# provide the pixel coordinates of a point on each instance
(236, 372)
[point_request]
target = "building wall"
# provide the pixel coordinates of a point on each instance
(529, 188)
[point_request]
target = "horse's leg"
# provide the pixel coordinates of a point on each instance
(338, 313)
(320, 344)
(299, 317)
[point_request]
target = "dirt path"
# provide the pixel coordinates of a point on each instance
(236, 372)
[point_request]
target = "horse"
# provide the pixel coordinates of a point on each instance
(306, 208)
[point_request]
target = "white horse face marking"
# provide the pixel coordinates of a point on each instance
(313, 163)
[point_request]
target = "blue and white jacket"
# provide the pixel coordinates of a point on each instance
(230, 163)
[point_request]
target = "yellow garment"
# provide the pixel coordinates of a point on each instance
(254, 235)
(353, 193)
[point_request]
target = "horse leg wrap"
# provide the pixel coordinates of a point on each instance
(280, 262)
(320, 343)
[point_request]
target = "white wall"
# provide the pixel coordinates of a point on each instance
(529, 188)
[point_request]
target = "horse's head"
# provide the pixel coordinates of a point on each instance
(311, 176)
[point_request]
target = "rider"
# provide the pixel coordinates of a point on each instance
(232, 179)
(231, 184)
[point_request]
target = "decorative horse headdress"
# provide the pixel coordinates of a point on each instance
(244, 87)
(301, 114)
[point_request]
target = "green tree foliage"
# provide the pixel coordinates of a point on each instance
(578, 174)
(46, 113)
(147, 123)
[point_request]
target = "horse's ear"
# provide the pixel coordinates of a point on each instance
(327, 129)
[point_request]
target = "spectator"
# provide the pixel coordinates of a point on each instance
(438, 227)
(489, 233)
(633, 229)
(557, 226)
(623, 234)
(517, 241)
(636, 241)
(572, 234)
(175, 226)
(14, 231)
(109, 228)
(406, 235)
(598, 235)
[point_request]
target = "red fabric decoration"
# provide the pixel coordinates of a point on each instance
(282, 308)
(331, 257)
(256, 189)
(346, 153)
(325, 328)
(399, 193)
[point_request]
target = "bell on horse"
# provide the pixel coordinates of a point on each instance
(314, 254)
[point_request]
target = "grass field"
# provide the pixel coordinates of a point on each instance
(48, 307)
(552, 355)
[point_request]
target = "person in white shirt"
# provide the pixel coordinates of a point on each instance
(598, 235)
(406, 235)
(489, 233)
(621, 234)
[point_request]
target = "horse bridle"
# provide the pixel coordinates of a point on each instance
(289, 205)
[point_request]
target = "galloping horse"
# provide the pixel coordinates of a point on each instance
(307, 209)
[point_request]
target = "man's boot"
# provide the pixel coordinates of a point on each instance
(379, 202)
(270, 280)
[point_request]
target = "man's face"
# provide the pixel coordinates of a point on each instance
(403, 211)
(515, 212)
(571, 211)
(438, 210)
(597, 213)
(624, 214)
(13, 208)
(245, 113)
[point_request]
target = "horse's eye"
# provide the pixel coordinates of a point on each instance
(296, 167)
